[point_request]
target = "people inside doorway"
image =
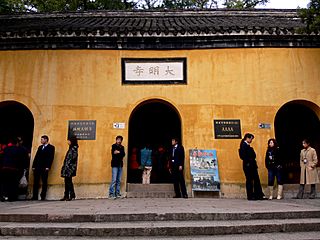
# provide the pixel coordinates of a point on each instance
(176, 169)
(273, 162)
(250, 169)
(69, 169)
(160, 165)
(2, 147)
(146, 163)
(135, 173)
(308, 165)
(41, 166)
(118, 153)
(23, 191)
(14, 162)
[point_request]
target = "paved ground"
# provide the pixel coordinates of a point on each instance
(163, 206)
(266, 236)
(160, 206)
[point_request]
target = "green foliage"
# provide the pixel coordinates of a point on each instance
(189, 4)
(241, 4)
(311, 17)
(8, 6)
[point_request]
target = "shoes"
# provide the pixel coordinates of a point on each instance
(65, 199)
(261, 198)
(280, 192)
(111, 197)
(271, 192)
(177, 196)
(118, 196)
(252, 199)
(185, 196)
(4, 199)
(34, 199)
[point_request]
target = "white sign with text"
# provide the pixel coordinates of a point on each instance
(154, 71)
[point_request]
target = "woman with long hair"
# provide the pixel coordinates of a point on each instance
(274, 165)
(69, 168)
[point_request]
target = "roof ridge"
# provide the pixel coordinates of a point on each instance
(157, 13)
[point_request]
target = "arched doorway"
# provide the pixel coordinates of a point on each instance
(153, 122)
(295, 121)
(16, 121)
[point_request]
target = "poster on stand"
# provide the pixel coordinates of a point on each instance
(204, 170)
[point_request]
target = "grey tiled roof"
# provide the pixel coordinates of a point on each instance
(154, 29)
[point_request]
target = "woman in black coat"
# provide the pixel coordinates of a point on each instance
(274, 165)
(69, 169)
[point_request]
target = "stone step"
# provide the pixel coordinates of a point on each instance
(159, 228)
(150, 190)
(260, 236)
(291, 190)
(135, 187)
(142, 217)
(159, 194)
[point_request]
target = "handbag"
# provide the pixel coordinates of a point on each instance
(23, 183)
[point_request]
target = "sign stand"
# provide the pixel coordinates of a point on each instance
(204, 171)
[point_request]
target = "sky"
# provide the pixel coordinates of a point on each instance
(288, 4)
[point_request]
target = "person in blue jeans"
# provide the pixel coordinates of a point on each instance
(273, 162)
(117, 152)
(146, 163)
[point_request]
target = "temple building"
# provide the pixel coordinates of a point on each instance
(206, 77)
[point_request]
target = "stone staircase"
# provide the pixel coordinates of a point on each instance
(150, 190)
(157, 225)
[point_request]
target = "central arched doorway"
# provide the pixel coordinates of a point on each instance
(16, 121)
(153, 122)
(295, 121)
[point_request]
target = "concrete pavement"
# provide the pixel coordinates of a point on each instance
(161, 217)
(158, 206)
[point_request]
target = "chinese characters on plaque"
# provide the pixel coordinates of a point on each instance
(154, 71)
(82, 129)
(227, 129)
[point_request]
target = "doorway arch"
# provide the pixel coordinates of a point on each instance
(16, 121)
(295, 121)
(153, 122)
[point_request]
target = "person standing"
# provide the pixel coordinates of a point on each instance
(274, 165)
(69, 169)
(134, 175)
(177, 166)
(23, 190)
(41, 166)
(250, 168)
(2, 147)
(118, 153)
(309, 174)
(14, 158)
(146, 163)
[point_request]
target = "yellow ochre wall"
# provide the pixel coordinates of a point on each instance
(246, 84)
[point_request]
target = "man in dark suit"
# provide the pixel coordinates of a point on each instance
(250, 169)
(41, 165)
(177, 166)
